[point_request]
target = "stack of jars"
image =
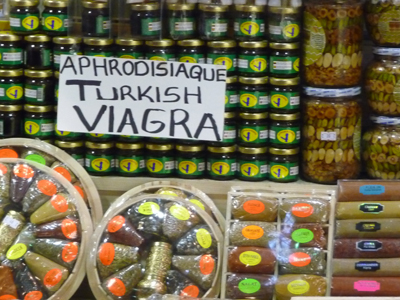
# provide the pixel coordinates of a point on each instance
(332, 72)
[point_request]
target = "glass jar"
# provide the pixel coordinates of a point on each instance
(129, 48)
(190, 161)
(230, 131)
(284, 94)
(249, 22)
(11, 51)
(129, 138)
(191, 51)
(96, 19)
(98, 47)
(253, 94)
(55, 17)
(75, 149)
(252, 164)
(221, 163)
(160, 160)
(130, 160)
(65, 45)
(39, 87)
(284, 24)
(181, 21)
(67, 135)
(284, 130)
(284, 60)
(213, 21)
(99, 159)
(332, 53)
(56, 86)
(39, 121)
(331, 134)
(231, 94)
(223, 53)
(146, 20)
(99, 138)
(161, 50)
(283, 165)
(10, 121)
(24, 16)
(38, 52)
(253, 59)
(253, 129)
(11, 86)
(381, 148)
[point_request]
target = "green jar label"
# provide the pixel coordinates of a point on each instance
(80, 158)
(102, 25)
(161, 165)
(283, 171)
(302, 235)
(253, 100)
(194, 167)
(131, 165)
(231, 99)
(36, 158)
(99, 163)
(249, 286)
(100, 54)
(131, 55)
(129, 138)
(221, 167)
(230, 134)
(228, 60)
(192, 58)
(98, 136)
(34, 93)
(216, 27)
(39, 127)
(253, 169)
(161, 57)
(284, 30)
(11, 92)
(249, 27)
(151, 26)
(181, 26)
(253, 63)
(11, 56)
(56, 87)
(56, 23)
(254, 134)
(26, 22)
(67, 134)
(285, 100)
(284, 65)
(284, 136)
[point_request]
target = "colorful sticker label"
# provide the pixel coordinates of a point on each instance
(39, 127)
(228, 60)
(204, 238)
(36, 158)
(285, 100)
(181, 27)
(254, 207)
(198, 203)
(216, 27)
(284, 136)
(298, 287)
(253, 64)
(302, 235)
(231, 99)
(34, 295)
(52, 278)
(11, 92)
(299, 259)
(207, 264)
(372, 189)
(69, 229)
(11, 57)
(283, 171)
(131, 165)
(257, 100)
(26, 23)
(368, 226)
(284, 65)
(253, 169)
(107, 254)
(190, 291)
(226, 167)
(59, 203)
(23, 171)
(151, 26)
(285, 30)
(99, 164)
(117, 287)
(148, 208)
(252, 232)
(194, 167)
(250, 258)
(314, 40)
(249, 286)
(253, 135)
(369, 245)
(230, 134)
(162, 165)
(69, 252)
(302, 210)
(249, 27)
(367, 266)
(46, 187)
(179, 212)
(68, 134)
(374, 208)
(17, 251)
(115, 224)
(367, 286)
(192, 58)
(55, 23)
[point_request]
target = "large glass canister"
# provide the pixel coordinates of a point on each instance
(331, 134)
(382, 82)
(381, 148)
(332, 40)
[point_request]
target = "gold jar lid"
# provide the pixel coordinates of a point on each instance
(64, 144)
(213, 7)
(128, 42)
(247, 150)
(284, 81)
(229, 115)
(55, 3)
(161, 43)
(191, 43)
(10, 107)
(231, 79)
(251, 80)
(38, 74)
(190, 148)
(254, 44)
(38, 108)
(254, 116)
(222, 44)
(283, 10)
(35, 38)
(158, 147)
(145, 6)
(284, 46)
(284, 117)
(179, 6)
(92, 145)
(94, 4)
(98, 41)
(24, 2)
(9, 37)
(228, 149)
(278, 151)
(11, 73)
(130, 146)
(249, 8)
(66, 40)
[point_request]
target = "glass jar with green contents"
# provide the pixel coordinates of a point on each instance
(146, 20)
(223, 53)
(129, 48)
(129, 138)
(65, 45)
(190, 161)
(99, 138)
(191, 51)
(39, 121)
(10, 121)
(213, 21)
(11, 51)
(99, 159)
(253, 164)
(11, 86)
(161, 50)
(230, 131)
(160, 160)
(284, 130)
(96, 19)
(284, 24)
(55, 17)
(253, 94)
(284, 59)
(39, 87)
(130, 160)
(75, 149)
(284, 94)
(253, 129)
(253, 59)
(231, 94)
(221, 163)
(98, 47)
(249, 22)
(24, 16)
(56, 85)
(283, 165)
(38, 52)
(181, 21)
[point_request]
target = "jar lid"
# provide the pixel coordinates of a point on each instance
(55, 3)
(254, 44)
(284, 81)
(38, 74)
(332, 93)
(189, 148)
(10, 107)
(145, 6)
(284, 117)
(98, 41)
(11, 73)
(128, 42)
(284, 46)
(35, 38)
(161, 43)
(246, 150)
(92, 145)
(158, 147)
(222, 44)
(231, 79)
(249, 8)
(228, 149)
(251, 80)
(130, 146)
(9, 37)
(192, 42)
(66, 40)
(179, 6)
(38, 108)
(382, 120)
(254, 116)
(24, 2)
(64, 144)
(283, 10)
(229, 115)
(278, 151)
(57, 74)
(94, 4)
(213, 7)
(387, 51)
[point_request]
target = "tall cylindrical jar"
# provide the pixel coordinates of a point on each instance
(331, 134)
(332, 41)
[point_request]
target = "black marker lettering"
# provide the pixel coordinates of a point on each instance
(187, 94)
(100, 97)
(81, 65)
(128, 67)
(168, 93)
(111, 120)
(113, 64)
(127, 119)
(202, 126)
(126, 91)
(145, 66)
(182, 69)
(182, 122)
(82, 84)
(212, 78)
(68, 64)
(196, 72)
(162, 66)
(143, 94)
(103, 66)
(221, 75)
(96, 121)
(144, 121)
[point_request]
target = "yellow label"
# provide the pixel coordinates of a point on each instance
(279, 171)
(224, 61)
(226, 98)
(15, 92)
(187, 59)
(248, 134)
(258, 64)
(168, 193)
(99, 55)
(127, 56)
(249, 170)
(286, 136)
(179, 212)
(220, 168)
(62, 133)
(157, 58)
(298, 287)
(148, 208)
(30, 23)
(16, 251)
(187, 167)
(291, 30)
(296, 64)
(279, 101)
(128, 165)
(250, 258)
(249, 28)
(198, 203)
(53, 23)
(248, 100)
(96, 135)
(204, 238)
(31, 127)
(100, 164)
(154, 165)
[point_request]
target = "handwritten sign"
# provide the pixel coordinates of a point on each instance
(141, 97)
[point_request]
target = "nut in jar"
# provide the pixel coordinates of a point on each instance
(331, 134)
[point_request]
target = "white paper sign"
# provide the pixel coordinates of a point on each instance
(141, 97)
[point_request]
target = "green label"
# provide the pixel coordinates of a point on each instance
(228, 60)
(99, 163)
(11, 56)
(249, 27)
(160, 165)
(231, 99)
(181, 26)
(283, 171)
(98, 136)
(195, 166)
(216, 27)
(131, 165)
(284, 136)
(36, 158)
(284, 65)
(249, 286)
(151, 26)
(160, 57)
(56, 91)
(80, 158)
(34, 93)
(102, 25)
(230, 134)
(55, 23)
(284, 30)
(39, 127)
(253, 169)
(129, 138)
(253, 63)
(253, 134)
(302, 235)
(253, 100)
(100, 54)
(11, 92)
(192, 58)
(221, 167)
(67, 134)
(130, 55)
(285, 100)
(25, 22)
